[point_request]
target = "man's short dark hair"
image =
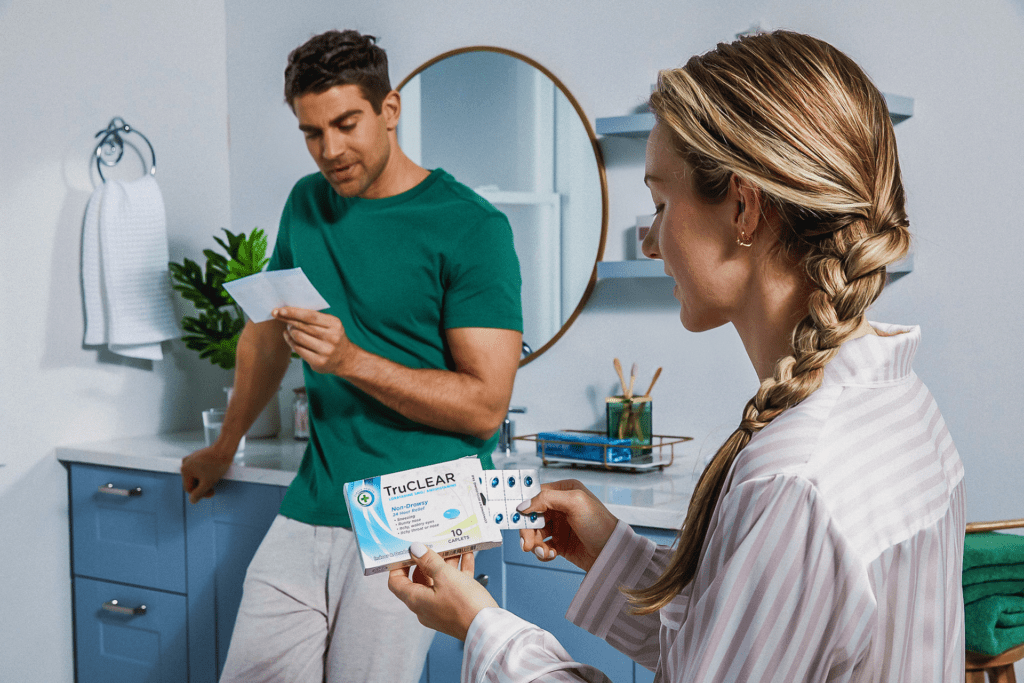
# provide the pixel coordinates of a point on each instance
(338, 58)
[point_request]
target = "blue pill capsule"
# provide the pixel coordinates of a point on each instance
(499, 518)
(515, 518)
(533, 516)
(494, 482)
(528, 482)
(511, 482)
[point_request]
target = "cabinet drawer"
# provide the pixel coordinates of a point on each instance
(131, 531)
(115, 647)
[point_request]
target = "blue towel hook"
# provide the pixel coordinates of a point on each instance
(111, 147)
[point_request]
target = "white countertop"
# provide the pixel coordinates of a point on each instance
(657, 498)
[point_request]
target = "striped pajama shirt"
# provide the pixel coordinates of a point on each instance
(833, 554)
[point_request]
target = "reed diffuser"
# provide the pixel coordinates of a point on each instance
(629, 416)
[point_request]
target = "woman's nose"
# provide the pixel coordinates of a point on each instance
(650, 244)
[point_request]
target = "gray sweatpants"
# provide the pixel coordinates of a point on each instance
(308, 615)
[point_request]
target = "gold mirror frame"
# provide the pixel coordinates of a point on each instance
(598, 158)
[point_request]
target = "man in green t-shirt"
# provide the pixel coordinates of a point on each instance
(412, 364)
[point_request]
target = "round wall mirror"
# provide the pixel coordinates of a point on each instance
(506, 127)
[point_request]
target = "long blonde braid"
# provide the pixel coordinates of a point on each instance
(801, 122)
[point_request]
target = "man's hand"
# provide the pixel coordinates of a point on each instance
(318, 338)
(443, 596)
(201, 470)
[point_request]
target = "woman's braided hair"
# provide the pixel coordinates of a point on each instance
(801, 122)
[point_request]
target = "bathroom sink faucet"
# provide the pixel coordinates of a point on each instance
(505, 435)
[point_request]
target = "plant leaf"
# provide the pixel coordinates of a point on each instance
(205, 292)
(250, 257)
(214, 335)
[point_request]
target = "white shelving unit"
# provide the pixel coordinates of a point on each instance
(631, 126)
(900, 107)
(638, 268)
(494, 196)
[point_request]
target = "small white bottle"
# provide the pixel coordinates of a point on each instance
(301, 409)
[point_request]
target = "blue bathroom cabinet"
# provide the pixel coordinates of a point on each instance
(157, 581)
(128, 576)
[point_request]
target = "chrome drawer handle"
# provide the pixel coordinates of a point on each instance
(114, 606)
(110, 490)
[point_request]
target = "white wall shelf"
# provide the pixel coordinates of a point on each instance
(632, 126)
(900, 107)
(899, 269)
(519, 198)
(644, 268)
(622, 269)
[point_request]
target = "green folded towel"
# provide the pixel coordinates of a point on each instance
(1011, 619)
(988, 589)
(993, 580)
(994, 572)
(994, 624)
(992, 548)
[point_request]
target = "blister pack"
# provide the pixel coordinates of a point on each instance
(503, 491)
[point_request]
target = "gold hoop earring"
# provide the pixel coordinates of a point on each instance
(744, 240)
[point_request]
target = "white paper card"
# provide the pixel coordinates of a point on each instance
(503, 491)
(261, 293)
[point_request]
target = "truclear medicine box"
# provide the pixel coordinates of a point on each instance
(438, 505)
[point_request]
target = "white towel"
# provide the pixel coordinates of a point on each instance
(125, 278)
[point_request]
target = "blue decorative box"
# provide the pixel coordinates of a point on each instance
(583, 446)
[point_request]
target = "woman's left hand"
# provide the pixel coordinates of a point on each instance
(443, 596)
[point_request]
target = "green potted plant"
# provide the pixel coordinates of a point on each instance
(218, 321)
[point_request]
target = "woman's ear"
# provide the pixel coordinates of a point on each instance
(746, 200)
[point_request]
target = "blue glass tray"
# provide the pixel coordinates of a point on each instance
(578, 448)
(582, 446)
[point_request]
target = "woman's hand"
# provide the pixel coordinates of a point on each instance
(443, 596)
(576, 524)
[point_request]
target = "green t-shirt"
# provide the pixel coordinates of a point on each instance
(398, 272)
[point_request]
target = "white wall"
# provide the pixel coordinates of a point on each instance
(65, 70)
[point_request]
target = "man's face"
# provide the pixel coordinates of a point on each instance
(346, 138)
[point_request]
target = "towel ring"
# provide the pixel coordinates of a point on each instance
(112, 144)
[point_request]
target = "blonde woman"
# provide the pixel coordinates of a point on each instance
(825, 537)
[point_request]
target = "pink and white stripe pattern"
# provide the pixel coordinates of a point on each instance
(833, 555)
